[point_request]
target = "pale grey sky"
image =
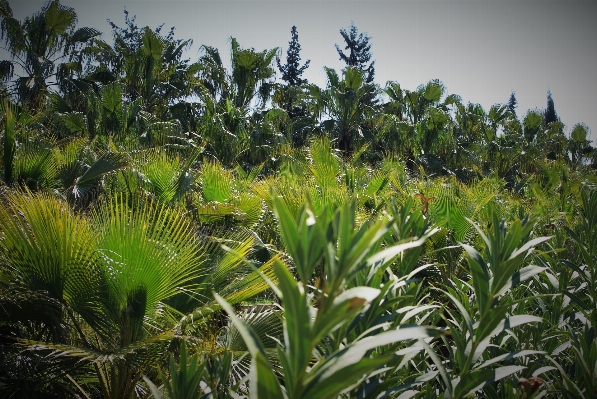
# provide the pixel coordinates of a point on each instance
(480, 49)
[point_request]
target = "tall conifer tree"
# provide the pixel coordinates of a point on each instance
(292, 71)
(512, 104)
(550, 112)
(360, 51)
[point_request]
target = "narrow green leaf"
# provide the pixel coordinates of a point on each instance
(297, 320)
(439, 365)
(154, 390)
(350, 362)
(542, 370)
(475, 380)
(514, 321)
(528, 245)
(518, 277)
(508, 356)
(344, 308)
(290, 234)
(490, 321)
(480, 272)
(388, 254)
(330, 386)
(463, 312)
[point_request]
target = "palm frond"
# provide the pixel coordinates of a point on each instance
(216, 183)
(48, 248)
(106, 163)
(325, 165)
(149, 245)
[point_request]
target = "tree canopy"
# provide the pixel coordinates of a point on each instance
(292, 71)
(550, 111)
(359, 51)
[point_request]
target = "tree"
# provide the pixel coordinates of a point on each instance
(345, 103)
(252, 73)
(148, 64)
(550, 112)
(40, 48)
(512, 104)
(360, 51)
(292, 71)
(291, 97)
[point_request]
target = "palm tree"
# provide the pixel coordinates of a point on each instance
(227, 123)
(96, 289)
(418, 123)
(343, 103)
(251, 73)
(40, 48)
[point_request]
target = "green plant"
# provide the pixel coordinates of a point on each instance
(309, 364)
(475, 322)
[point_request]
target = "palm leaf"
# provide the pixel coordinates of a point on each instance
(325, 165)
(50, 249)
(447, 207)
(251, 206)
(84, 34)
(147, 245)
(106, 163)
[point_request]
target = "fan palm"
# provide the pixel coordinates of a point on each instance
(38, 46)
(108, 276)
(344, 103)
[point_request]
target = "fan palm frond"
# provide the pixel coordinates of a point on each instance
(49, 248)
(147, 245)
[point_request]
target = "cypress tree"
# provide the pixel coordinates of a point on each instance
(360, 51)
(550, 112)
(292, 71)
(512, 104)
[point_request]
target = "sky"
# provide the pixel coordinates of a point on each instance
(481, 50)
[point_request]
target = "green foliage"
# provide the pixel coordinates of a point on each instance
(9, 142)
(359, 51)
(291, 72)
(185, 379)
(166, 230)
(345, 255)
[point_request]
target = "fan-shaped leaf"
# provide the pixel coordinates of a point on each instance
(59, 18)
(84, 34)
(107, 163)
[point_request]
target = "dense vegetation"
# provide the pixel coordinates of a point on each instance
(185, 230)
